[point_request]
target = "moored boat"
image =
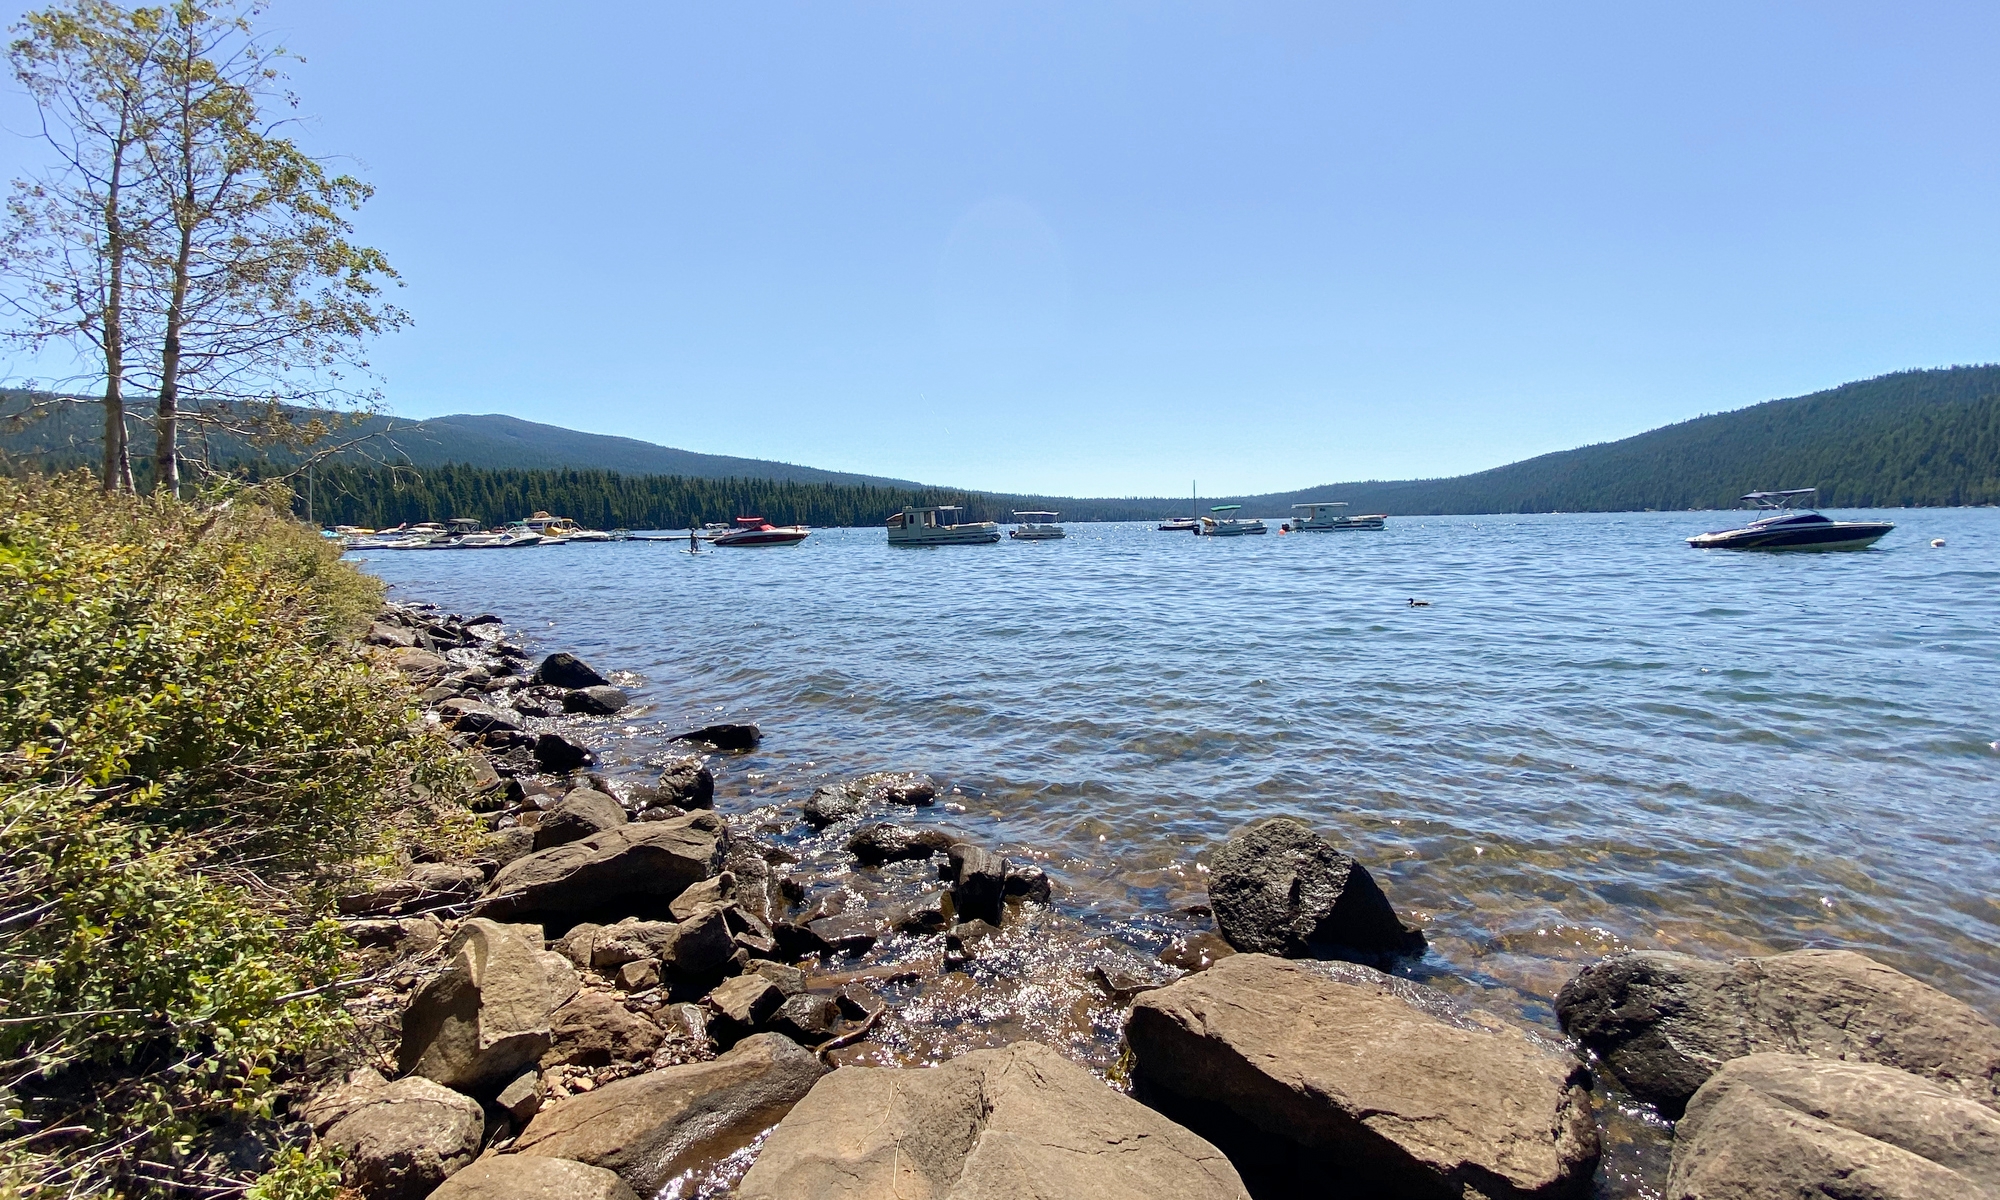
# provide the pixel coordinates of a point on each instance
(1222, 521)
(1793, 524)
(756, 531)
(938, 525)
(1029, 529)
(1325, 516)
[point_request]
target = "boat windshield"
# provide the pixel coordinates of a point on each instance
(1792, 498)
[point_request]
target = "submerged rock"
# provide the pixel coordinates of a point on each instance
(1664, 1022)
(724, 737)
(649, 1128)
(887, 842)
(1019, 1122)
(1770, 1125)
(1279, 888)
(898, 788)
(1294, 1065)
(830, 805)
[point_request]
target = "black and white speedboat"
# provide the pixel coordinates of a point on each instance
(1792, 525)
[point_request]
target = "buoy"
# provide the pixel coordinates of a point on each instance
(1937, 543)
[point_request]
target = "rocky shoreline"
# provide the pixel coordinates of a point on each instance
(621, 992)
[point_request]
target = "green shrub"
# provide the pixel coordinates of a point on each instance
(194, 752)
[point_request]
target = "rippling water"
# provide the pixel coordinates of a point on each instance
(1591, 737)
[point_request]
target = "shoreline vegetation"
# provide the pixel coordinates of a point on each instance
(307, 895)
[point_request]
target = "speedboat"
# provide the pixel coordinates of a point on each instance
(555, 531)
(756, 531)
(938, 525)
(1793, 524)
(1181, 525)
(1333, 519)
(1029, 529)
(1222, 521)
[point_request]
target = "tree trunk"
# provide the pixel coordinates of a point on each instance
(117, 450)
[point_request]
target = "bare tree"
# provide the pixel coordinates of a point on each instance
(73, 234)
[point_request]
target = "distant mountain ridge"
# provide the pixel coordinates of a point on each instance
(1925, 437)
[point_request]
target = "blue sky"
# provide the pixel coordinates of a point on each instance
(1110, 248)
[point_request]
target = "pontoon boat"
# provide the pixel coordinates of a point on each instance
(1316, 521)
(1223, 522)
(938, 526)
(1030, 529)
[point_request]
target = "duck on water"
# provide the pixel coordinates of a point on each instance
(1792, 524)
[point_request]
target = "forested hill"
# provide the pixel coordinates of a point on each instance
(68, 434)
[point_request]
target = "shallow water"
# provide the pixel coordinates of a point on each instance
(1592, 737)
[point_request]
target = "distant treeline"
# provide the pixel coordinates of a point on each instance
(375, 497)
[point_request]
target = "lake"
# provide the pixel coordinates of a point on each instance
(1591, 737)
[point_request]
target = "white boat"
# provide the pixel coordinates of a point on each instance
(557, 530)
(1326, 516)
(1222, 521)
(939, 526)
(1029, 529)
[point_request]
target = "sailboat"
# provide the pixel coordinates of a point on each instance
(1188, 524)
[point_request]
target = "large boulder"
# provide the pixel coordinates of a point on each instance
(1020, 1122)
(1664, 1022)
(1279, 888)
(1292, 1065)
(640, 866)
(477, 1023)
(565, 670)
(576, 816)
(1782, 1125)
(650, 1128)
(526, 1177)
(405, 1138)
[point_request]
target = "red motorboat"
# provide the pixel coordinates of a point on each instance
(756, 531)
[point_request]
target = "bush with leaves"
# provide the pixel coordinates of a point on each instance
(192, 753)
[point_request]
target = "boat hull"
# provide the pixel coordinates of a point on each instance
(948, 535)
(1341, 526)
(761, 537)
(1189, 525)
(1834, 535)
(1037, 535)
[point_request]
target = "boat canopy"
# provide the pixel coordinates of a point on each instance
(1024, 513)
(753, 522)
(1323, 504)
(1780, 499)
(1224, 507)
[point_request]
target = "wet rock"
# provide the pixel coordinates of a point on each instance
(686, 782)
(481, 619)
(407, 1139)
(1019, 1122)
(830, 805)
(486, 1016)
(1279, 888)
(724, 737)
(962, 941)
(1120, 985)
(1291, 1065)
(979, 883)
(1028, 883)
(639, 867)
(848, 933)
(602, 701)
(558, 755)
(718, 890)
(576, 816)
(741, 1005)
(565, 670)
(887, 842)
(471, 716)
(594, 1030)
(1782, 1125)
(930, 914)
(526, 1177)
(649, 1128)
(1664, 1022)
(901, 788)
(522, 1098)
(1196, 951)
(798, 940)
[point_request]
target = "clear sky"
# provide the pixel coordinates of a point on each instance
(1108, 248)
